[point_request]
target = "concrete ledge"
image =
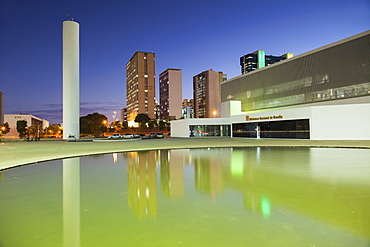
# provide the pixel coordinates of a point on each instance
(13, 154)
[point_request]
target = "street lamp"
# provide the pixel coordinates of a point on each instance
(214, 113)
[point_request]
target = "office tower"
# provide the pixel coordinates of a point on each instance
(1, 108)
(188, 102)
(206, 93)
(123, 115)
(259, 59)
(170, 94)
(140, 85)
(157, 109)
(71, 79)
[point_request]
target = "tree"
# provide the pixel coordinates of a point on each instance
(142, 119)
(53, 129)
(22, 128)
(33, 130)
(152, 123)
(93, 124)
(116, 124)
(4, 129)
(163, 124)
(124, 125)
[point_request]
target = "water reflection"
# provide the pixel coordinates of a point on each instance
(191, 197)
(266, 178)
(172, 173)
(141, 178)
(71, 202)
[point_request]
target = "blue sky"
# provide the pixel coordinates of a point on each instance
(192, 35)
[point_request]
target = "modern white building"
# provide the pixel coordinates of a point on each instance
(323, 94)
(12, 120)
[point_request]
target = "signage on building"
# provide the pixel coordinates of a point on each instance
(248, 118)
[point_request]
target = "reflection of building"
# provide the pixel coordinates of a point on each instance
(31, 121)
(140, 85)
(208, 173)
(141, 176)
(172, 173)
(258, 59)
(206, 93)
(170, 94)
(323, 94)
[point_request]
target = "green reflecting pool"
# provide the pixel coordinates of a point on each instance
(191, 197)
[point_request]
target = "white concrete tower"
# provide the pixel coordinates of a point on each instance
(71, 79)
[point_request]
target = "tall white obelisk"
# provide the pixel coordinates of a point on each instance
(71, 79)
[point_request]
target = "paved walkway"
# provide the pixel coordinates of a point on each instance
(14, 154)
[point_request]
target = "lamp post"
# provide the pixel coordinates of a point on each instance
(214, 113)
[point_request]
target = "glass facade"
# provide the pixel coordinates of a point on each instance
(299, 129)
(338, 71)
(209, 130)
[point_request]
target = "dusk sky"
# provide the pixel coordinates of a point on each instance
(192, 35)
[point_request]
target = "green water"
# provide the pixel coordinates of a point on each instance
(197, 197)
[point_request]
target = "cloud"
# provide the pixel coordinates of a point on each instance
(54, 112)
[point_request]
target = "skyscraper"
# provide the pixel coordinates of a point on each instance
(206, 93)
(140, 85)
(170, 94)
(258, 59)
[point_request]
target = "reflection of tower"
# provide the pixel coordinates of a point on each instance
(172, 173)
(208, 173)
(142, 196)
(71, 79)
(71, 202)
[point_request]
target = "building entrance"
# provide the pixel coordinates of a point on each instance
(296, 129)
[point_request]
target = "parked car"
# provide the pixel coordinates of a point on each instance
(136, 135)
(159, 135)
(114, 136)
(128, 136)
(151, 135)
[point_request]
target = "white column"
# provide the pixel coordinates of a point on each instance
(71, 79)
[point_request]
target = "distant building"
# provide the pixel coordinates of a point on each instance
(140, 86)
(188, 102)
(206, 93)
(258, 59)
(187, 108)
(123, 115)
(12, 120)
(157, 110)
(187, 112)
(170, 94)
(1, 108)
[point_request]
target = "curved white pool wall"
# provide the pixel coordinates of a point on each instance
(71, 79)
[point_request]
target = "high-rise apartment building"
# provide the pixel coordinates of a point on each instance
(206, 93)
(140, 85)
(259, 59)
(170, 94)
(123, 115)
